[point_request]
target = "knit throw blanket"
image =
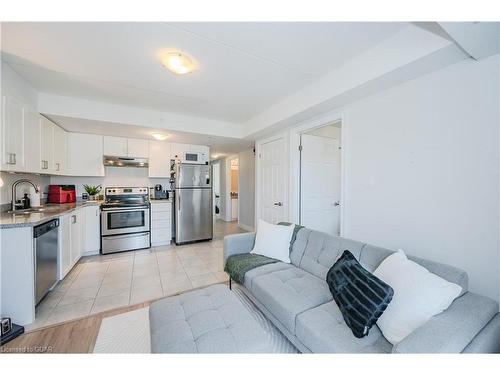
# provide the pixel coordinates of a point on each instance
(239, 264)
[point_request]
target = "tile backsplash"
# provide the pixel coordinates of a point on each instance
(9, 178)
(114, 177)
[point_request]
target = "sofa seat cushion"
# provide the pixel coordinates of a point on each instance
(210, 320)
(288, 292)
(263, 270)
(323, 330)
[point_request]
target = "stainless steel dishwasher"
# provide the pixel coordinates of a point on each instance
(46, 241)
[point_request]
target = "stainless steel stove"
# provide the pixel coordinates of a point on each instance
(125, 219)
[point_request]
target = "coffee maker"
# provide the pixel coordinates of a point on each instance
(159, 193)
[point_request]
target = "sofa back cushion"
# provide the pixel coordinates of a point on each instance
(315, 252)
(372, 256)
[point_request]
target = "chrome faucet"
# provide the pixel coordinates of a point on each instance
(14, 186)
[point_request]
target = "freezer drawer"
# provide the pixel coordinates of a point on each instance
(193, 215)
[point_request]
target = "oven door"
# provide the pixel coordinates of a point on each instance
(124, 220)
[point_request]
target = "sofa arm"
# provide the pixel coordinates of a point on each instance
(452, 330)
(238, 244)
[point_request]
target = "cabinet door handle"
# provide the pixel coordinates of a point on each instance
(73, 218)
(14, 157)
(57, 167)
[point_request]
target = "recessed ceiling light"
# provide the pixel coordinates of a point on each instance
(159, 136)
(178, 62)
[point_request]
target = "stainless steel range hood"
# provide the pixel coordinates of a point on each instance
(122, 161)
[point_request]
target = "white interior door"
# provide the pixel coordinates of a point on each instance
(320, 184)
(272, 181)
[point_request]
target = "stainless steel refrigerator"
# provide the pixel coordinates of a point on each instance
(193, 203)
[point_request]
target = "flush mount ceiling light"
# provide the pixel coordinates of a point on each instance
(159, 136)
(178, 62)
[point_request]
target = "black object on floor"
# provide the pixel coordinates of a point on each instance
(16, 330)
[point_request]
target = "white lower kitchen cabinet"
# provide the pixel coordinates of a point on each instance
(91, 230)
(17, 275)
(64, 260)
(76, 236)
(161, 223)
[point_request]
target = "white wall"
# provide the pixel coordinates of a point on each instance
(114, 177)
(13, 84)
(246, 190)
(422, 163)
(422, 169)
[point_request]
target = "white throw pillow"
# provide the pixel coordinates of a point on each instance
(418, 296)
(273, 241)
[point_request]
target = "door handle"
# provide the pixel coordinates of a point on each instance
(14, 155)
(278, 204)
(337, 203)
(73, 218)
(57, 164)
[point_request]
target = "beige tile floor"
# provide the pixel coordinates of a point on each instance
(104, 282)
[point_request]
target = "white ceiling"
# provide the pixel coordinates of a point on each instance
(244, 68)
(219, 146)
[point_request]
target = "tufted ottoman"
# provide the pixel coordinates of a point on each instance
(209, 320)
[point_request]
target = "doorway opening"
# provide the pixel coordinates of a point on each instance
(320, 178)
(234, 175)
(216, 189)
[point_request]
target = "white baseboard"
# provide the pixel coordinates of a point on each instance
(89, 253)
(246, 227)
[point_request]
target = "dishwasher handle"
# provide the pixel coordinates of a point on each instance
(41, 229)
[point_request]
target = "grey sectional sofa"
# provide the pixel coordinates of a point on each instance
(296, 298)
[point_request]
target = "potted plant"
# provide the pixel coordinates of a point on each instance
(92, 191)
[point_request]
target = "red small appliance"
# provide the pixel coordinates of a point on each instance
(62, 194)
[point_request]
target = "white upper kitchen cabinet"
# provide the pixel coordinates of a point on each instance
(32, 145)
(115, 146)
(60, 150)
(47, 145)
(91, 230)
(12, 135)
(159, 159)
(199, 148)
(137, 148)
(85, 152)
(177, 150)
(129, 147)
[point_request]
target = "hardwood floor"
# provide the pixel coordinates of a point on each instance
(76, 336)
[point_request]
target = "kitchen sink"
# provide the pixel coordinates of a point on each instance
(35, 210)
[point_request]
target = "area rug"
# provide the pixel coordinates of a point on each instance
(125, 333)
(129, 332)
